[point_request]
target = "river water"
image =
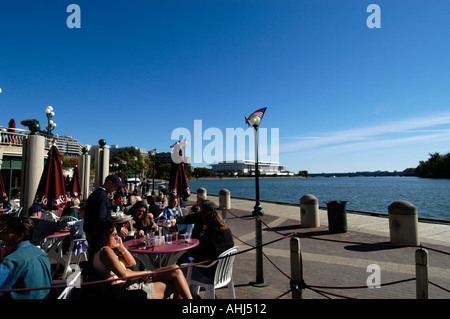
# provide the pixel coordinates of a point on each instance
(373, 194)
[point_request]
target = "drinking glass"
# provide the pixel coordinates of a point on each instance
(187, 237)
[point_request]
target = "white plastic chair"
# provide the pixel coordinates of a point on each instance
(67, 267)
(71, 285)
(68, 218)
(223, 275)
(17, 212)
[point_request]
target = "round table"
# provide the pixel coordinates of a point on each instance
(167, 254)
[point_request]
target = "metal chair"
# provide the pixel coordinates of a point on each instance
(223, 275)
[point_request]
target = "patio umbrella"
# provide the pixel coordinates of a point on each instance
(178, 184)
(2, 186)
(75, 185)
(51, 193)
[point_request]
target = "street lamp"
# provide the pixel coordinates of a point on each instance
(153, 155)
(50, 125)
(255, 120)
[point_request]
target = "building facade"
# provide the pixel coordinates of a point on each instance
(247, 167)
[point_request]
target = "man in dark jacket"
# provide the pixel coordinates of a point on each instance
(98, 207)
(44, 227)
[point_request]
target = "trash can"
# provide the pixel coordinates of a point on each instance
(337, 216)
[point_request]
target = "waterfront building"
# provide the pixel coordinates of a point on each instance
(69, 146)
(247, 167)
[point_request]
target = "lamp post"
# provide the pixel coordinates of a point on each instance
(257, 210)
(153, 155)
(255, 120)
(50, 124)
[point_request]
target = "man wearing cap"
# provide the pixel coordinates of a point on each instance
(44, 227)
(98, 207)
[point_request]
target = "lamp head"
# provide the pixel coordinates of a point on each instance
(49, 110)
(255, 120)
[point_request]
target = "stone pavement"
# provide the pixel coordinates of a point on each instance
(332, 260)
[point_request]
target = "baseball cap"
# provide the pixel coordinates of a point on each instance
(115, 179)
(35, 208)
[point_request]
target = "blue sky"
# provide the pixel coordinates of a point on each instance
(343, 96)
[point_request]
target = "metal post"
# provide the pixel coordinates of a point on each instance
(296, 268)
(259, 282)
(421, 274)
(257, 210)
(153, 174)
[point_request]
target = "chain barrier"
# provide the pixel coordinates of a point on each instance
(318, 289)
(298, 286)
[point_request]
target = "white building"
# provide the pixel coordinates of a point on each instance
(248, 167)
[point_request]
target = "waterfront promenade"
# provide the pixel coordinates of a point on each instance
(332, 260)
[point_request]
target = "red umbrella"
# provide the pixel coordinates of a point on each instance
(11, 124)
(75, 186)
(2, 186)
(178, 184)
(51, 193)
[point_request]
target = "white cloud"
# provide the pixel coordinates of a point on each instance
(387, 135)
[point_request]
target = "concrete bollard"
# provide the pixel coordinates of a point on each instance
(403, 223)
(202, 192)
(224, 199)
(309, 211)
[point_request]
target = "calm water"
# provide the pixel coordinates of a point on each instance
(374, 194)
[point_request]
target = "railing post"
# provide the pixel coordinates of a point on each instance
(421, 274)
(296, 269)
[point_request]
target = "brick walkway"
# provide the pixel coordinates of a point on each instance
(327, 262)
(331, 260)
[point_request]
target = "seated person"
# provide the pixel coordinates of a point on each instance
(23, 265)
(194, 217)
(152, 207)
(72, 208)
(142, 221)
(43, 227)
(161, 200)
(5, 204)
(109, 265)
(171, 211)
(216, 239)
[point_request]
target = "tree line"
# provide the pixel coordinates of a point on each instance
(437, 166)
